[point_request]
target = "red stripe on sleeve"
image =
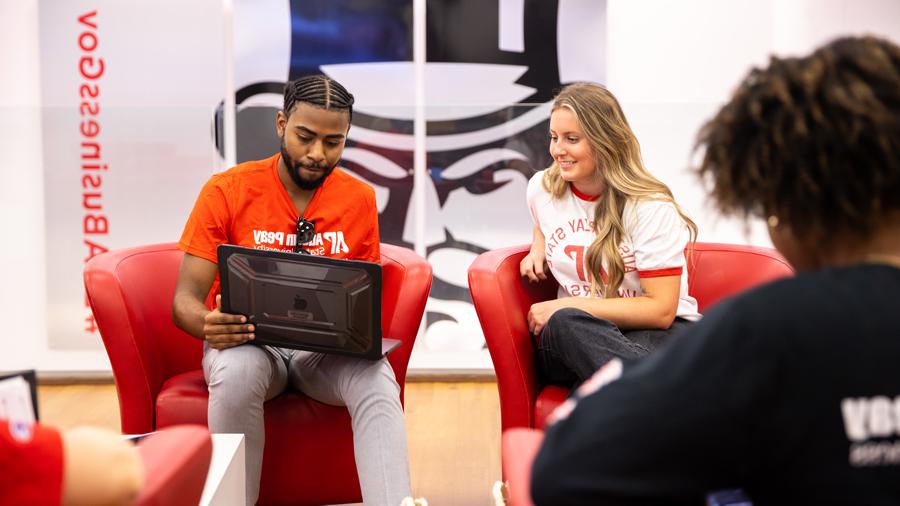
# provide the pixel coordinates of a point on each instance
(658, 273)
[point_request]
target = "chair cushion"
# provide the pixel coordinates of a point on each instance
(547, 400)
(182, 400)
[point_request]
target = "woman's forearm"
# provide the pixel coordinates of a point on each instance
(626, 312)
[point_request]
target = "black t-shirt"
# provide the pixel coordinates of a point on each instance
(790, 391)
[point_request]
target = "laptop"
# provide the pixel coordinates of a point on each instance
(306, 302)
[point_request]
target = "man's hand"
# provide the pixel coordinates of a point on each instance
(540, 313)
(534, 266)
(225, 330)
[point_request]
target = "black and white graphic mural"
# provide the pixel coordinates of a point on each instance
(491, 69)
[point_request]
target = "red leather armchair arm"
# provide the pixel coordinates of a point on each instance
(407, 282)
(176, 462)
(130, 291)
(502, 299)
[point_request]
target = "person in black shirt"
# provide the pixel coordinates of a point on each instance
(790, 391)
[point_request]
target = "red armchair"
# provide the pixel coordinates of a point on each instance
(502, 299)
(308, 457)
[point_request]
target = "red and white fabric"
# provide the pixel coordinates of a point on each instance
(653, 245)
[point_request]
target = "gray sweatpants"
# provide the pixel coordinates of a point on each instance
(242, 378)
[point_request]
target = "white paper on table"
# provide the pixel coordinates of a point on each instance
(15, 400)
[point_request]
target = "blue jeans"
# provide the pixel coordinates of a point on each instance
(574, 344)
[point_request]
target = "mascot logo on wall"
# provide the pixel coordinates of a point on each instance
(491, 71)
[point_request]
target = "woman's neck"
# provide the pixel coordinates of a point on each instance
(593, 187)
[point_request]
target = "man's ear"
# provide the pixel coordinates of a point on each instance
(280, 122)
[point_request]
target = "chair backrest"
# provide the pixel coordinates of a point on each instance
(717, 271)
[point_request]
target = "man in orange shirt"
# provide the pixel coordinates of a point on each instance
(268, 204)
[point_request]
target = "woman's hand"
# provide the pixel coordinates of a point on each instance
(540, 314)
(534, 266)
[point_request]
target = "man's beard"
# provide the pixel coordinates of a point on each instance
(293, 169)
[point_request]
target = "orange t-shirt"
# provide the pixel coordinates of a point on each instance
(247, 205)
(31, 464)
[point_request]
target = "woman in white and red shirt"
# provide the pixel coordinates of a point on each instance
(611, 235)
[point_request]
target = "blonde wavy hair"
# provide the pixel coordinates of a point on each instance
(617, 156)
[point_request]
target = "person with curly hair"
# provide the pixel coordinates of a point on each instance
(789, 391)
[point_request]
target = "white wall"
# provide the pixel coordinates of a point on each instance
(671, 63)
(674, 63)
(21, 194)
(156, 145)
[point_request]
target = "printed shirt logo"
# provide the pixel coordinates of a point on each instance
(567, 245)
(872, 417)
(324, 243)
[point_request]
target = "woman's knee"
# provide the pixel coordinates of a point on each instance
(569, 321)
(561, 320)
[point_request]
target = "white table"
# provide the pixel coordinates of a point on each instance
(226, 481)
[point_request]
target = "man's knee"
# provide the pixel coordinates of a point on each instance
(244, 368)
(373, 380)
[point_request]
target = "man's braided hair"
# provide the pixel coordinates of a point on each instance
(317, 90)
(814, 141)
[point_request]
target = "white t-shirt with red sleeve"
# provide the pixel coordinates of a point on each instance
(653, 245)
